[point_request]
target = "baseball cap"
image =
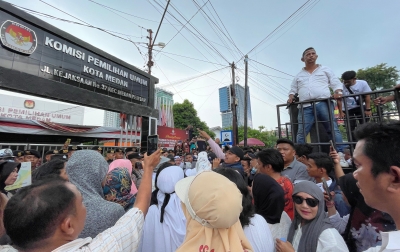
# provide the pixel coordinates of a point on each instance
(237, 151)
(221, 199)
(177, 157)
(134, 155)
(50, 152)
(111, 151)
(6, 153)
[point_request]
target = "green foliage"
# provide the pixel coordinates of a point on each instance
(267, 137)
(185, 114)
(379, 77)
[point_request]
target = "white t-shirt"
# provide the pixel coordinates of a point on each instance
(259, 235)
(361, 86)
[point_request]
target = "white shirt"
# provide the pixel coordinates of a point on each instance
(281, 229)
(123, 236)
(315, 85)
(360, 86)
(259, 235)
(390, 242)
(328, 241)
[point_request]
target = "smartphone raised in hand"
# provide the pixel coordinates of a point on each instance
(152, 144)
(333, 147)
(326, 188)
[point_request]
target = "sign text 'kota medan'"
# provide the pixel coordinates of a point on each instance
(57, 45)
(73, 77)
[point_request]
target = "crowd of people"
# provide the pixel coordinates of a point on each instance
(202, 196)
(229, 199)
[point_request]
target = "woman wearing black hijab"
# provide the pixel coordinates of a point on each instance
(8, 174)
(269, 202)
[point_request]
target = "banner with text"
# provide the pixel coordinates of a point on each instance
(169, 136)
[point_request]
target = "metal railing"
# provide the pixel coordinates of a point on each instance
(380, 113)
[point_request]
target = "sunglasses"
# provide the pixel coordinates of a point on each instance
(311, 202)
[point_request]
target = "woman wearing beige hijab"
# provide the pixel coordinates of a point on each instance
(212, 205)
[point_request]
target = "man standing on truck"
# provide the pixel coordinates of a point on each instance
(311, 83)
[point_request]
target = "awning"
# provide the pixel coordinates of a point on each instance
(20, 126)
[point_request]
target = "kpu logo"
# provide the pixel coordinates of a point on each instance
(18, 37)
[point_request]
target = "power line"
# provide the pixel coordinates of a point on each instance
(214, 63)
(195, 47)
(301, 14)
(211, 46)
(72, 22)
(179, 31)
(194, 77)
(266, 74)
(272, 68)
(229, 38)
(161, 21)
(225, 27)
(108, 7)
(287, 19)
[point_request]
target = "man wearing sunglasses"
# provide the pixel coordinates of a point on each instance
(377, 159)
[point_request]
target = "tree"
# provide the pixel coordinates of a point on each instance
(379, 77)
(185, 114)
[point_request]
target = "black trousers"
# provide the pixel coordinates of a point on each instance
(355, 115)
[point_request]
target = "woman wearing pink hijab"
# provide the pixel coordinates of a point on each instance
(124, 163)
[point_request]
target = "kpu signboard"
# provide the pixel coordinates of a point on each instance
(29, 48)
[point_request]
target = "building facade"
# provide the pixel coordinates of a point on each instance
(225, 106)
(111, 119)
(164, 101)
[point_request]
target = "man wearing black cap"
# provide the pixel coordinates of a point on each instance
(137, 170)
(231, 157)
(18, 156)
(98, 149)
(32, 156)
(119, 153)
(129, 151)
(72, 149)
(49, 154)
(110, 156)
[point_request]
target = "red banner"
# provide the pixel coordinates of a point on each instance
(169, 136)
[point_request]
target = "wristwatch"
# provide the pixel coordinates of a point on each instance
(339, 92)
(368, 109)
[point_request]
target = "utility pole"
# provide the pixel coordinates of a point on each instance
(246, 92)
(150, 63)
(233, 107)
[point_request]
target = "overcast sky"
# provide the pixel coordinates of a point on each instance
(347, 35)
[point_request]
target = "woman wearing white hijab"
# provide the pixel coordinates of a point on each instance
(165, 224)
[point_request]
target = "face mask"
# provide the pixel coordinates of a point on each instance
(195, 156)
(253, 170)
